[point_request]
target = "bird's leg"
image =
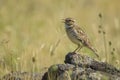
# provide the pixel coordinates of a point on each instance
(77, 48)
(80, 48)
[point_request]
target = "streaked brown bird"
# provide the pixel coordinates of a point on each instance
(77, 35)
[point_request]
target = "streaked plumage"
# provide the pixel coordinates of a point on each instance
(77, 35)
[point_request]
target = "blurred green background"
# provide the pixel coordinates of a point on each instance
(30, 30)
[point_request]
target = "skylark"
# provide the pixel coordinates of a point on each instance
(77, 35)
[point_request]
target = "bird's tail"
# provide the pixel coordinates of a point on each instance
(94, 50)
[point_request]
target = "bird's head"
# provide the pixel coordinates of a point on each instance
(69, 21)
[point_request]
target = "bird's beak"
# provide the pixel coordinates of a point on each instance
(63, 20)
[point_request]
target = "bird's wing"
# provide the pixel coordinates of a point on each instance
(82, 36)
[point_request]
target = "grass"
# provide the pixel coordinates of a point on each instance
(31, 29)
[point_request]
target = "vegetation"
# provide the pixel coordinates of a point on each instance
(32, 34)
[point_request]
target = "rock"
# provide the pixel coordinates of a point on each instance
(79, 67)
(23, 76)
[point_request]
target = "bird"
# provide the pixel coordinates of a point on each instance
(77, 35)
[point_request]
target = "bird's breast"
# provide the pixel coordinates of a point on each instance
(72, 35)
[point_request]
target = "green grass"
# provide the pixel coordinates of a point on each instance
(31, 28)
